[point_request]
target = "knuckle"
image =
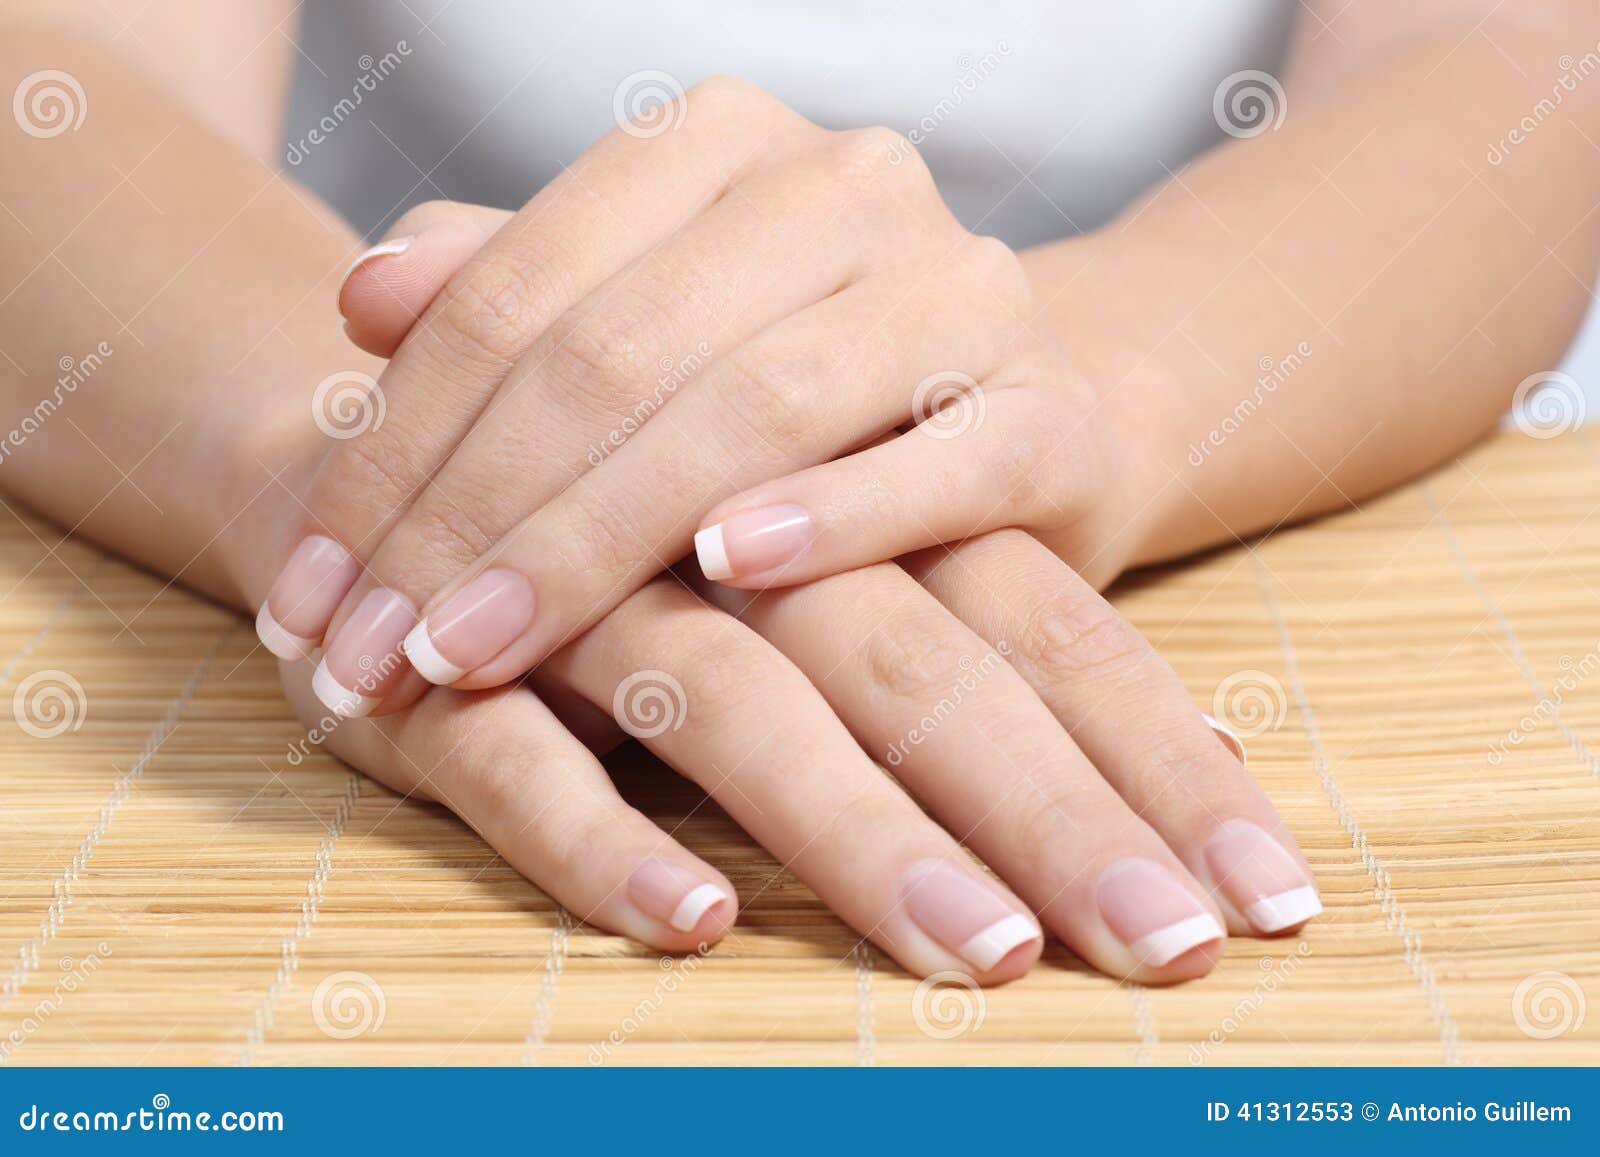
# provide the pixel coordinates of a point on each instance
(575, 835)
(1016, 460)
(723, 95)
(1050, 810)
(1078, 636)
(992, 263)
(606, 356)
(728, 676)
(915, 657)
(368, 477)
(447, 530)
(869, 157)
(773, 396)
(495, 311)
(608, 549)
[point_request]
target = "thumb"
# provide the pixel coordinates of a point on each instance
(390, 284)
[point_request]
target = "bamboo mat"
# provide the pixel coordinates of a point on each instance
(172, 891)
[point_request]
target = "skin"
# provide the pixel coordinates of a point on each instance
(1150, 310)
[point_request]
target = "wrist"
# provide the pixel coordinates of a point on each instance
(1150, 501)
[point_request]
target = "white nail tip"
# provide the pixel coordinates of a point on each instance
(1230, 738)
(1165, 945)
(1285, 910)
(338, 698)
(382, 249)
(695, 905)
(425, 657)
(282, 643)
(992, 945)
(712, 552)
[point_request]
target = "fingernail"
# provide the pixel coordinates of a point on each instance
(1229, 737)
(1150, 911)
(381, 249)
(964, 914)
(365, 655)
(304, 596)
(753, 541)
(675, 896)
(1260, 877)
(473, 626)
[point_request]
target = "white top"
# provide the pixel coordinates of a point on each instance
(1038, 118)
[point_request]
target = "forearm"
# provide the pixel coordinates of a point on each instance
(1309, 317)
(191, 287)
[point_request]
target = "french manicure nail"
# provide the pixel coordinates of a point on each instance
(473, 626)
(1230, 738)
(304, 597)
(1150, 911)
(753, 541)
(964, 914)
(676, 896)
(1259, 876)
(364, 656)
(381, 249)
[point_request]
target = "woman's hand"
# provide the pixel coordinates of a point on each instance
(680, 317)
(1135, 846)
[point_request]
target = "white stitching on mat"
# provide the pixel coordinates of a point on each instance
(1394, 915)
(52, 620)
(121, 787)
(545, 1003)
(310, 906)
(866, 1035)
(1144, 1023)
(1518, 655)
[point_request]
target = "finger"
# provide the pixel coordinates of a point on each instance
(818, 384)
(506, 766)
(389, 286)
(975, 463)
(714, 700)
(1130, 713)
(622, 197)
(613, 362)
(968, 737)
